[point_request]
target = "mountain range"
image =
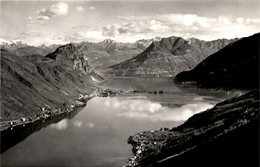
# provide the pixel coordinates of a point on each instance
(169, 56)
(22, 49)
(146, 57)
(100, 55)
(103, 54)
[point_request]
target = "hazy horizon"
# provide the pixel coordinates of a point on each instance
(57, 22)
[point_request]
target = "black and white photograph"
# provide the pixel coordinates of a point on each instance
(129, 83)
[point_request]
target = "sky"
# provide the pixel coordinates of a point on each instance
(60, 22)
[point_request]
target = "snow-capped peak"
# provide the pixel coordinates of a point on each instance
(17, 42)
(3, 41)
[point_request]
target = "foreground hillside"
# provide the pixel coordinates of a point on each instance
(34, 84)
(168, 57)
(225, 135)
(235, 66)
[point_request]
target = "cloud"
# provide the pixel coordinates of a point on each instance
(86, 35)
(79, 9)
(132, 31)
(184, 25)
(111, 30)
(23, 35)
(92, 8)
(58, 9)
(43, 18)
(30, 20)
(133, 28)
(81, 27)
(37, 38)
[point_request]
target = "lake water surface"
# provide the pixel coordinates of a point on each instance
(96, 136)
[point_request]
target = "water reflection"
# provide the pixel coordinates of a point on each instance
(63, 124)
(154, 111)
(90, 125)
(77, 123)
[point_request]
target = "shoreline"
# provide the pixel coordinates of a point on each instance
(10, 137)
(46, 113)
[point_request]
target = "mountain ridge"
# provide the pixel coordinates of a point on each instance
(168, 57)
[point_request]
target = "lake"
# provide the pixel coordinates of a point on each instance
(96, 135)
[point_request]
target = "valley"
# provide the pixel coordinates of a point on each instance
(127, 83)
(172, 98)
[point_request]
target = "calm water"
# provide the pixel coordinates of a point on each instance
(96, 136)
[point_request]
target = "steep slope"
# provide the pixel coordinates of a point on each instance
(235, 66)
(168, 57)
(30, 83)
(71, 56)
(225, 135)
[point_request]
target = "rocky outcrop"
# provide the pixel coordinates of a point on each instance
(31, 83)
(234, 66)
(168, 57)
(71, 56)
(225, 135)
